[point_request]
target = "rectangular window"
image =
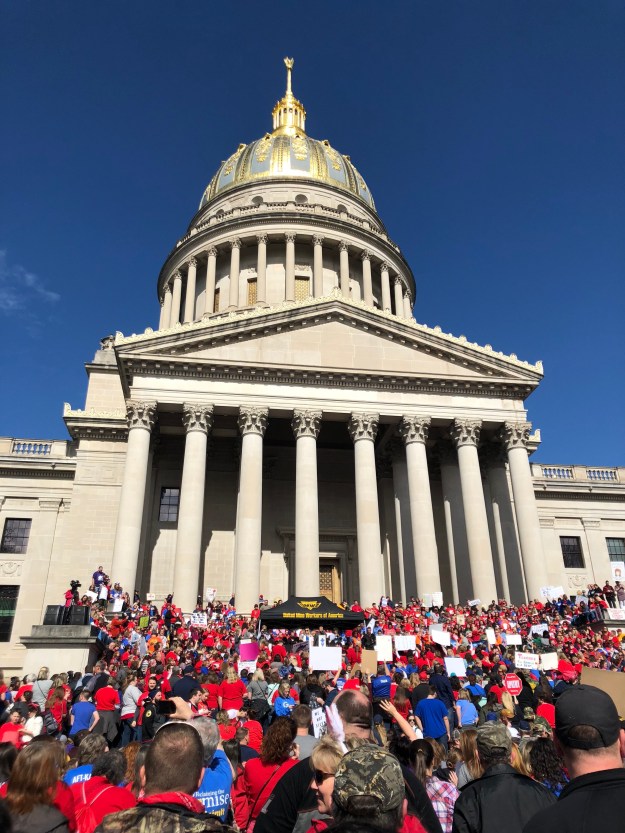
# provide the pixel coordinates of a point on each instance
(616, 548)
(216, 301)
(170, 501)
(252, 292)
(8, 603)
(15, 535)
(302, 288)
(572, 552)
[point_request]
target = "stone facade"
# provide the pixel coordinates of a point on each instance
(317, 437)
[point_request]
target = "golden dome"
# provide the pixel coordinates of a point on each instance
(287, 153)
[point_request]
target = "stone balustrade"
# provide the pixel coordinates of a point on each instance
(578, 474)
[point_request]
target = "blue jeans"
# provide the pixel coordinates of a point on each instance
(128, 732)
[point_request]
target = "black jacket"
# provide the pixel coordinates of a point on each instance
(501, 800)
(590, 802)
(444, 690)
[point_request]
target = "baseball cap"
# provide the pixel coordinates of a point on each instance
(493, 736)
(586, 705)
(369, 770)
(541, 725)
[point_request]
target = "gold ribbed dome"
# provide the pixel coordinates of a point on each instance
(288, 152)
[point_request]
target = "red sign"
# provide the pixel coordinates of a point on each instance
(512, 684)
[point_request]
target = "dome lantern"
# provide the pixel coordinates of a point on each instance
(289, 116)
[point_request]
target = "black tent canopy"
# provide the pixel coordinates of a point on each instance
(309, 611)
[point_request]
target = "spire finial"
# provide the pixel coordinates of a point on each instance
(288, 63)
(289, 116)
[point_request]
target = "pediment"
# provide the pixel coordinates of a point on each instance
(330, 337)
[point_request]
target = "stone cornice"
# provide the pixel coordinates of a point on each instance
(48, 472)
(606, 494)
(261, 321)
(92, 424)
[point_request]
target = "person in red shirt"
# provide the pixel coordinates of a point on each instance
(546, 709)
(101, 792)
(106, 701)
(212, 687)
(11, 732)
(231, 691)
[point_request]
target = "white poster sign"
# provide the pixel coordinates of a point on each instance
(514, 639)
(150, 597)
(456, 665)
(384, 647)
(319, 723)
(325, 659)
(91, 595)
(581, 600)
(437, 599)
(427, 600)
(440, 637)
(490, 636)
(210, 594)
(616, 614)
(526, 661)
(461, 619)
(247, 665)
(618, 570)
(549, 662)
(199, 619)
(474, 602)
(539, 630)
(405, 642)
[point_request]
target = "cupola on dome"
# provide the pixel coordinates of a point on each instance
(288, 152)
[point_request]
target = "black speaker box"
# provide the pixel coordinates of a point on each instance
(53, 615)
(78, 615)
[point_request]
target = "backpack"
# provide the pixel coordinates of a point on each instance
(86, 821)
(50, 725)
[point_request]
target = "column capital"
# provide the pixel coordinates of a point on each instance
(235, 243)
(365, 254)
(253, 420)
(384, 267)
(212, 252)
(177, 276)
(290, 237)
(306, 423)
(197, 417)
(408, 295)
(317, 240)
(261, 238)
(414, 429)
(363, 426)
(515, 434)
(140, 414)
(192, 262)
(398, 281)
(343, 247)
(465, 432)
(167, 288)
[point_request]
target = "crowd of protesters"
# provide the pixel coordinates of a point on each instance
(170, 730)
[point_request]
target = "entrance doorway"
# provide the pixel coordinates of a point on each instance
(330, 580)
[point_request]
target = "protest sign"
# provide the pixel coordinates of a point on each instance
(461, 619)
(526, 661)
(144, 622)
(539, 630)
(514, 639)
(405, 642)
(549, 662)
(91, 595)
(427, 600)
(319, 723)
(210, 594)
(473, 602)
(439, 636)
(249, 666)
(384, 647)
(490, 636)
(456, 665)
(248, 651)
(150, 597)
(200, 619)
(611, 682)
(437, 599)
(369, 662)
(618, 570)
(324, 659)
(616, 614)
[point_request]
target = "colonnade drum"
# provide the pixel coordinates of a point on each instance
(455, 489)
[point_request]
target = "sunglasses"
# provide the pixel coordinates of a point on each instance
(320, 776)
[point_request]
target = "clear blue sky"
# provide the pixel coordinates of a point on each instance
(490, 133)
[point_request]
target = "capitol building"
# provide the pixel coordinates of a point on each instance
(287, 426)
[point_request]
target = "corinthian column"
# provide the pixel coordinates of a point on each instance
(198, 421)
(386, 287)
(363, 429)
(209, 294)
(414, 432)
(289, 289)
(465, 434)
(306, 425)
(252, 425)
(344, 268)
(399, 297)
(166, 308)
(141, 417)
(235, 267)
(516, 436)
(189, 298)
(408, 305)
(318, 266)
(367, 287)
(175, 301)
(261, 270)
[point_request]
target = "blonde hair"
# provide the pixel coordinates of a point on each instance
(326, 755)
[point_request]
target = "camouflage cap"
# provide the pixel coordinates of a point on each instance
(493, 736)
(541, 725)
(369, 770)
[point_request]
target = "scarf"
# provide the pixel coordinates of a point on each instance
(178, 798)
